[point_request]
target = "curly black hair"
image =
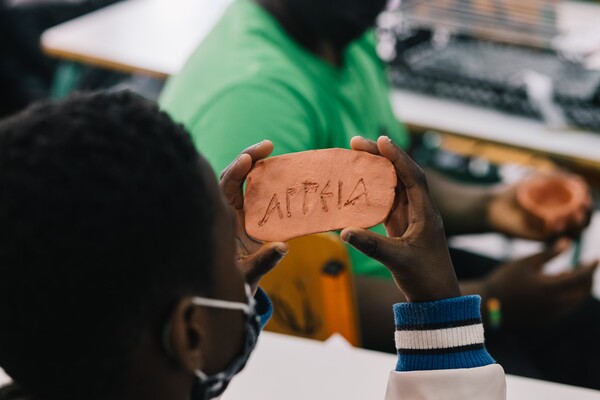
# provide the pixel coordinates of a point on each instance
(105, 220)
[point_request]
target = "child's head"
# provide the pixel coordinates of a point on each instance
(109, 222)
(340, 21)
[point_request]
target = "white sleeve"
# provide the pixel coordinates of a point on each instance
(481, 383)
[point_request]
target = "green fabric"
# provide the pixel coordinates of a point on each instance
(249, 81)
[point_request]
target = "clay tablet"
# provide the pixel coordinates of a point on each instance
(317, 191)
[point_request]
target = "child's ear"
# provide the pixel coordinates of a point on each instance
(186, 333)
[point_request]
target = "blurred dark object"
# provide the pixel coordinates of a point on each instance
(426, 150)
(26, 74)
(523, 80)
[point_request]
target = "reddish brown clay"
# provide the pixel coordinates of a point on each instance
(317, 191)
(552, 198)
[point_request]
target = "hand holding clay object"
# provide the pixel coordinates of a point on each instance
(555, 202)
(254, 258)
(317, 191)
(521, 286)
(542, 207)
(415, 249)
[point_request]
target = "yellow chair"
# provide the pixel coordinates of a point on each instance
(312, 290)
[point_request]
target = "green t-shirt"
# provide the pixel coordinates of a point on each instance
(249, 81)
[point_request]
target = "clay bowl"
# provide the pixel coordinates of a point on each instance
(553, 199)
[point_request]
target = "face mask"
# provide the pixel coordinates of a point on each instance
(209, 387)
(341, 21)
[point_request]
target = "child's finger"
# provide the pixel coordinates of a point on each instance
(412, 178)
(257, 152)
(361, 144)
(232, 180)
(264, 260)
(378, 247)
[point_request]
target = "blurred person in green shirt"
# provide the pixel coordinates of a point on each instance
(250, 80)
(305, 74)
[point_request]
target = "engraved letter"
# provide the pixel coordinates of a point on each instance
(353, 198)
(273, 205)
(288, 200)
(324, 195)
(340, 184)
(309, 187)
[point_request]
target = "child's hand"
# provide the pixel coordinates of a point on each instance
(415, 251)
(531, 298)
(254, 258)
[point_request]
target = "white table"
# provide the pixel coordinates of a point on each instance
(305, 369)
(153, 37)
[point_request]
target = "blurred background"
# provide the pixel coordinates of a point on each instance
(490, 91)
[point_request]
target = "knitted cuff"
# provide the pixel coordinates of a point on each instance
(443, 334)
(264, 307)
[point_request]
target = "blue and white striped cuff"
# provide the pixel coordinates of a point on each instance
(442, 334)
(264, 307)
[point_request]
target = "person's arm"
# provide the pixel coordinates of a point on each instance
(374, 311)
(441, 353)
(439, 333)
(464, 208)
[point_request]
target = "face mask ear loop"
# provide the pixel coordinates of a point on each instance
(245, 308)
(201, 375)
(208, 386)
(248, 291)
(251, 300)
(224, 304)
